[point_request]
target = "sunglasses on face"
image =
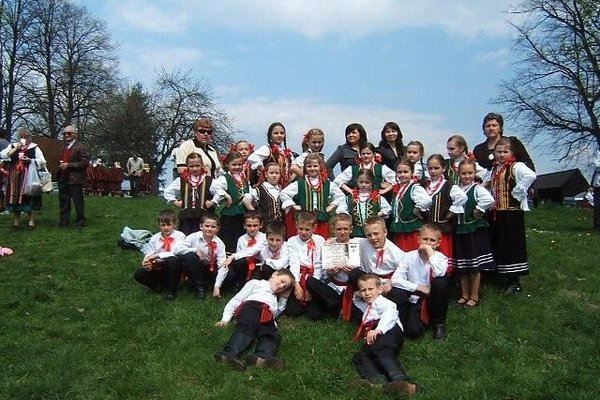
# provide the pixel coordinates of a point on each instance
(204, 132)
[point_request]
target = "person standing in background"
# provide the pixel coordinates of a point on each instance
(71, 178)
(135, 166)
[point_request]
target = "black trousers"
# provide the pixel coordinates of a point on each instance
(326, 302)
(134, 185)
(379, 359)
(597, 207)
(410, 313)
(250, 329)
(66, 194)
(166, 276)
(197, 270)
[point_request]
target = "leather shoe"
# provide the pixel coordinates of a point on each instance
(439, 331)
(200, 293)
(271, 363)
(233, 362)
(398, 387)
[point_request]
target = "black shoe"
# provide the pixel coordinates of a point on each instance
(513, 288)
(200, 293)
(171, 295)
(233, 362)
(439, 331)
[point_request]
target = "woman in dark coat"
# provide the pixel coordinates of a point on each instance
(390, 147)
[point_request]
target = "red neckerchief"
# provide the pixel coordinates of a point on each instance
(431, 189)
(212, 250)
(167, 242)
(251, 260)
(240, 179)
(316, 187)
(308, 270)
(401, 188)
(365, 326)
(287, 153)
(276, 254)
(379, 259)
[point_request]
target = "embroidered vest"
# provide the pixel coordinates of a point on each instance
(194, 199)
(377, 172)
(440, 205)
(467, 223)
(269, 205)
(450, 174)
(502, 185)
(403, 218)
(360, 212)
(237, 195)
(314, 200)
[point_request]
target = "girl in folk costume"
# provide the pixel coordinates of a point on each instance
(245, 149)
(415, 153)
(312, 142)
(509, 182)
(472, 249)
(409, 203)
(365, 202)
(384, 176)
(458, 151)
(266, 195)
(275, 151)
(315, 193)
(191, 193)
(232, 186)
(447, 200)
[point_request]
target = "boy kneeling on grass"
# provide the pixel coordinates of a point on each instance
(382, 333)
(255, 308)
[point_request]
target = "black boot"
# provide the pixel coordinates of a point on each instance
(513, 286)
(439, 331)
(392, 369)
(235, 346)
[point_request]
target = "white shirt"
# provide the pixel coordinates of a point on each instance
(255, 290)
(372, 262)
(414, 271)
(155, 244)
(278, 260)
(301, 255)
(381, 309)
(195, 242)
(483, 197)
(458, 197)
(243, 250)
(524, 177)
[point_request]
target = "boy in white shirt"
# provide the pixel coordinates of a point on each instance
(160, 268)
(240, 266)
(202, 254)
(381, 331)
(276, 254)
(424, 286)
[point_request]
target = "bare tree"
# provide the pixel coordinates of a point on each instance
(178, 101)
(15, 20)
(556, 90)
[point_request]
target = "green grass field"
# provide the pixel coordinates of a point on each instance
(74, 324)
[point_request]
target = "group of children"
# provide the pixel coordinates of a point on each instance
(414, 225)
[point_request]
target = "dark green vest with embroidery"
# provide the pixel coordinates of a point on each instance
(358, 219)
(377, 172)
(403, 218)
(237, 195)
(467, 223)
(306, 194)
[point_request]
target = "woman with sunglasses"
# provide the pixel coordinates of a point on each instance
(201, 144)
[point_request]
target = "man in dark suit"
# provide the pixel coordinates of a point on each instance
(71, 178)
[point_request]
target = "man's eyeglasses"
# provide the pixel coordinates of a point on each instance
(204, 131)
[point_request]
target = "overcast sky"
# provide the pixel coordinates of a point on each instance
(432, 66)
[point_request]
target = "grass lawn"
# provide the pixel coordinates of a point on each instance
(74, 324)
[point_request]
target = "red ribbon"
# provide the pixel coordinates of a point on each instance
(167, 242)
(379, 260)
(212, 247)
(251, 261)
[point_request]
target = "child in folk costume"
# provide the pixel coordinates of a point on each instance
(245, 149)
(305, 262)
(472, 249)
(202, 254)
(384, 177)
(415, 151)
(447, 200)
(160, 268)
(365, 201)
(382, 334)
(458, 151)
(275, 151)
(191, 193)
(315, 193)
(509, 182)
(409, 204)
(333, 294)
(232, 186)
(240, 266)
(255, 308)
(424, 286)
(312, 142)
(275, 255)
(266, 195)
